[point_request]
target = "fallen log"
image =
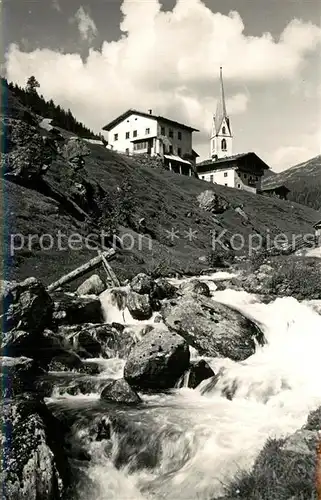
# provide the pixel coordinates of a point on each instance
(80, 271)
(108, 269)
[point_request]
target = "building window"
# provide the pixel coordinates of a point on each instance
(127, 151)
(256, 178)
(239, 185)
(140, 145)
(179, 151)
(170, 133)
(179, 135)
(115, 137)
(162, 130)
(223, 130)
(223, 145)
(225, 174)
(170, 150)
(135, 133)
(211, 178)
(203, 177)
(127, 135)
(225, 184)
(245, 176)
(147, 131)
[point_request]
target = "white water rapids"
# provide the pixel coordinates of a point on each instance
(203, 438)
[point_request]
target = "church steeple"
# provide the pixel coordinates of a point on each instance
(221, 137)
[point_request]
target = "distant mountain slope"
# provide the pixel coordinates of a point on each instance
(304, 181)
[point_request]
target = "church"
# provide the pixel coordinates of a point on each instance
(241, 171)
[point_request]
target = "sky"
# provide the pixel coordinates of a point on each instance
(101, 57)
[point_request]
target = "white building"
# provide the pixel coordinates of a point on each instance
(241, 171)
(136, 132)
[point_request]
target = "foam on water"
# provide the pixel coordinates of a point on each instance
(205, 438)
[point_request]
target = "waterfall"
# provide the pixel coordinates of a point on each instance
(187, 444)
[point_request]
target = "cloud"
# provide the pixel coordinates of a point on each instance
(288, 156)
(55, 5)
(167, 61)
(86, 25)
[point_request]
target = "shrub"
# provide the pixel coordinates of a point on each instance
(277, 474)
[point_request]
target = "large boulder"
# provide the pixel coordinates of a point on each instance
(157, 361)
(212, 202)
(70, 309)
(119, 391)
(212, 328)
(35, 465)
(92, 286)
(74, 151)
(18, 375)
(195, 286)
(26, 306)
(142, 284)
(27, 155)
(139, 306)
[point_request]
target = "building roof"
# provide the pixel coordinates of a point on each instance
(130, 112)
(196, 155)
(143, 139)
(229, 162)
(275, 187)
(176, 158)
(317, 224)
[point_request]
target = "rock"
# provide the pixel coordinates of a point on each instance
(119, 391)
(18, 375)
(92, 286)
(97, 340)
(163, 289)
(65, 361)
(142, 284)
(212, 328)
(195, 286)
(139, 306)
(199, 371)
(157, 361)
(35, 462)
(27, 154)
(211, 202)
(75, 150)
(26, 306)
(69, 309)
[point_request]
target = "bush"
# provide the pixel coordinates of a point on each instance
(300, 278)
(277, 474)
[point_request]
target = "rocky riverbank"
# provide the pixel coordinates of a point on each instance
(61, 340)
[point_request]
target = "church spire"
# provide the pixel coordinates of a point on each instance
(221, 138)
(221, 113)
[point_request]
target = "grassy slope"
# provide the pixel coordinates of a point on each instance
(166, 200)
(304, 181)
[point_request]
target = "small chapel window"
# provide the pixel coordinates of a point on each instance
(223, 130)
(223, 145)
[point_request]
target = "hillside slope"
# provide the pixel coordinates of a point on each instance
(70, 197)
(304, 181)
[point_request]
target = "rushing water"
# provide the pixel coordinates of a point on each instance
(186, 444)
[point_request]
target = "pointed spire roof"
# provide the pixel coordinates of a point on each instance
(221, 113)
